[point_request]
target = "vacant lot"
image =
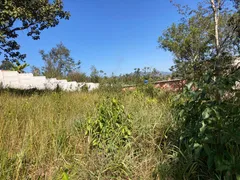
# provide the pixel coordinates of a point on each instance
(45, 136)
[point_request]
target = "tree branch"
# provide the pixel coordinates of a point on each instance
(21, 28)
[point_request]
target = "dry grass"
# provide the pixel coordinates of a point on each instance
(42, 136)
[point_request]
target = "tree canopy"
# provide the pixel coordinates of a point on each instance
(31, 15)
(58, 62)
(210, 30)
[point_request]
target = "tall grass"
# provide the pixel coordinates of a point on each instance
(43, 136)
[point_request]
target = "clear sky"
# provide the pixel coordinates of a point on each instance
(113, 35)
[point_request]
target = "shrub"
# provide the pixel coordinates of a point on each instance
(149, 90)
(208, 120)
(111, 129)
(110, 88)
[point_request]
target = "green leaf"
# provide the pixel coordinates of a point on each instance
(207, 149)
(210, 161)
(189, 85)
(65, 176)
(238, 176)
(206, 113)
(181, 113)
(203, 128)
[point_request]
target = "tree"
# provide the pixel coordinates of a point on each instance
(187, 41)
(94, 75)
(31, 15)
(236, 4)
(58, 62)
(17, 66)
(202, 34)
(156, 75)
(36, 71)
(207, 111)
(221, 37)
(77, 76)
(6, 65)
(216, 7)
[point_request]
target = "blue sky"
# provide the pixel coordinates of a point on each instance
(113, 35)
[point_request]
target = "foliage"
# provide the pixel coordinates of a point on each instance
(77, 76)
(207, 114)
(96, 75)
(111, 129)
(31, 15)
(84, 88)
(147, 73)
(42, 135)
(65, 176)
(6, 65)
(17, 66)
(58, 62)
(192, 41)
(36, 71)
(148, 90)
(110, 84)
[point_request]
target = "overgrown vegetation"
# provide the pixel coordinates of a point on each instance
(143, 134)
(207, 113)
(111, 129)
(43, 136)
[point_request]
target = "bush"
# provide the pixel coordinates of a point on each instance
(111, 129)
(207, 115)
(110, 88)
(77, 76)
(149, 90)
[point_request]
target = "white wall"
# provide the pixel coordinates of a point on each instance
(12, 79)
(25, 80)
(92, 86)
(51, 83)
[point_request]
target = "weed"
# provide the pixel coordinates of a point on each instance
(111, 128)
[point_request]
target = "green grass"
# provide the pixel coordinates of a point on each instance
(42, 136)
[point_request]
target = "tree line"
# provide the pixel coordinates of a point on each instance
(59, 64)
(36, 16)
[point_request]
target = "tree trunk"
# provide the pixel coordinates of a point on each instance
(215, 8)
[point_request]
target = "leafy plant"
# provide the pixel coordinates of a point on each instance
(19, 67)
(207, 114)
(111, 129)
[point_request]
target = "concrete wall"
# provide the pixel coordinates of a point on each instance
(12, 79)
(92, 86)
